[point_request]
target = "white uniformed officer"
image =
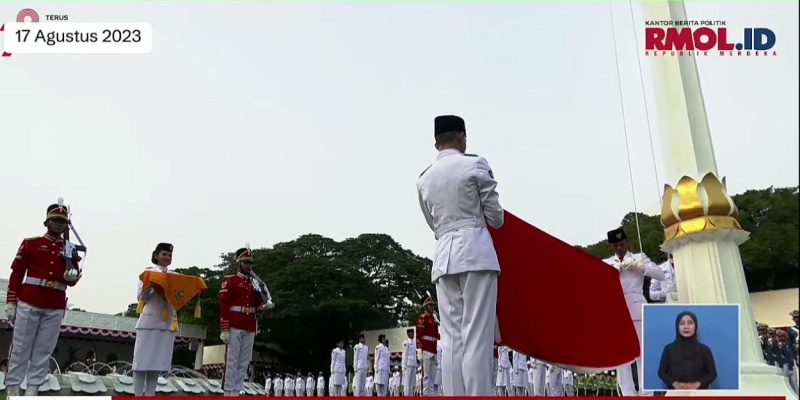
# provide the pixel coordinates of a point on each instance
(663, 291)
(458, 199)
(632, 270)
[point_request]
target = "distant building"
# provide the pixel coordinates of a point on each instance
(106, 336)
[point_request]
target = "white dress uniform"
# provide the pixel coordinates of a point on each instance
(381, 368)
(277, 383)
(520, 367)
(320, 386)
(311, 385)
(554, 385)
(394, 384)
(503, 372)
(539, 378)
(360, 365)
(409, 363)
(568, 381)
(369, 386)
(288, 387)
(632, 282)
(268, 385)
(664, 290)
(338, 380)
(155, 338)
(531, 373)
(458, 198)
(299, 386)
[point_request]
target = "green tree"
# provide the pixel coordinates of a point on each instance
(323, 291)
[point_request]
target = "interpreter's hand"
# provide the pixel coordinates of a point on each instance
(693, 385)
(11, 311)
(225, 336)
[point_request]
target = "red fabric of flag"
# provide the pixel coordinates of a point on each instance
(559, 304)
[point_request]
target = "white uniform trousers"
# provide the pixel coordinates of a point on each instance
(409, 380)
(238, 354)
(359, 382)
(625, 374)
(381, 390)
(520, 381)
(539, 375)
(503, 383)
(34, 339)
(429, 366)
(467, 307)
(309, 391)
(569, 390)
(554, 385)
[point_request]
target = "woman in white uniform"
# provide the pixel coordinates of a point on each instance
(155, 329)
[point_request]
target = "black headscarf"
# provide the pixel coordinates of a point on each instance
(686, 345)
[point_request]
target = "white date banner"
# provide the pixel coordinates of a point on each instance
(78, 37)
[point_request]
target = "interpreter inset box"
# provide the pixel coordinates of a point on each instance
(690, 346)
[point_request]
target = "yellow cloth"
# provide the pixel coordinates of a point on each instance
(178, 289)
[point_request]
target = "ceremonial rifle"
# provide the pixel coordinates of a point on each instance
(70, 252)
(259, 285)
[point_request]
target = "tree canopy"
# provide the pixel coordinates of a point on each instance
(326, 290)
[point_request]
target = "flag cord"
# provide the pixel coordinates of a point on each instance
(646, 107)
(625, 127)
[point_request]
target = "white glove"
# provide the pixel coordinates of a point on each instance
(72, 275)
(270, 304)
(11, 311)
(671, 288)
(225, 336)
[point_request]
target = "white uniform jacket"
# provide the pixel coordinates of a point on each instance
(633, 281)
(458, 198)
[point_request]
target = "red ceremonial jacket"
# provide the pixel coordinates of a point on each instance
(39, 258)
(238, 292)
(427, 333)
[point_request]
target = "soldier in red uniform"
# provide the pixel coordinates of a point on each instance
(239, 303)
(427, 335)
(36, 301)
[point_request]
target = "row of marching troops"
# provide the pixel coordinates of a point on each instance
(781, 348)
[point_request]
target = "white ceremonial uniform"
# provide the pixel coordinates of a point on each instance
(568, 381)
(539, 378)
(409, 363)
(311, 385)
(321, 386)
(437, 383)
(299, 386)
(268, 385)
(418, 384)
(278, 384)
(520, 368)
(394, 384)
(155, 338)
(554, 385)
(338, 370)
(369, 386)
(288, 387)
(360, 365)
(503, 372)
(531, 373)
(632, 281)
(381, 367)
(664, 290)
(458, 198)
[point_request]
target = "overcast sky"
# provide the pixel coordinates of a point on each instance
(262, 122)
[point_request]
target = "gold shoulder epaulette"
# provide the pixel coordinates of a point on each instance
(228, 276)
(31, 238)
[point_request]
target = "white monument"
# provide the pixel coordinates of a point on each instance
(701, 230)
